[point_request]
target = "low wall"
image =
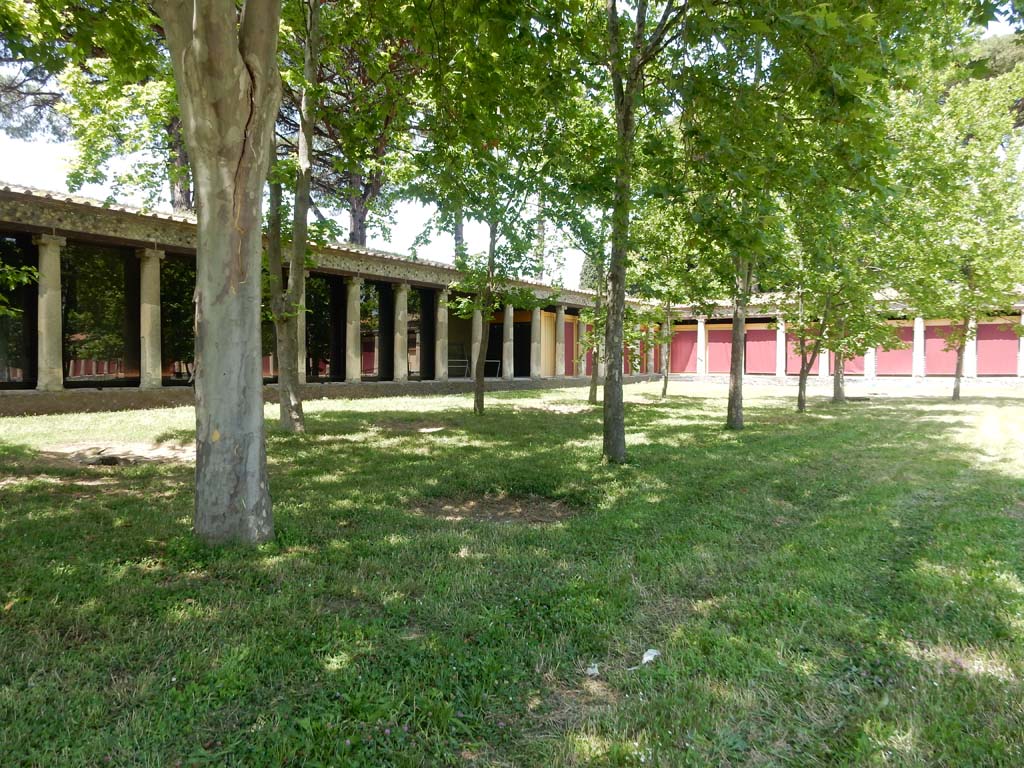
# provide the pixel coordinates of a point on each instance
(32, 402)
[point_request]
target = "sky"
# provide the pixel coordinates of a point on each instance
(45, 165)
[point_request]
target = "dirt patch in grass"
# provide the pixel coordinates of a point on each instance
(496, 508)
(569, 705)
(423, 426)
(119, 454)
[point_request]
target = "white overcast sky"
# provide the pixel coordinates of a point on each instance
(45, 166)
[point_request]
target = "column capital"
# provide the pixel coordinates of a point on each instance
(353, 280)
(404, 287)
(44, 239)
(149, 253)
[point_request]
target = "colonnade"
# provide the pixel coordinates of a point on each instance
(50, 363)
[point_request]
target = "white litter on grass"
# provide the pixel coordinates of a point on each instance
(649, 655)
(592, 671)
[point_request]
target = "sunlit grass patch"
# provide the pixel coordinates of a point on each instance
(837, 588)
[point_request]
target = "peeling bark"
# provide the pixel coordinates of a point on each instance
(225, 67)
(734, 415)
(486, 300)
(286, 325)
(961, 351)
(839, 380)
(744, 275)
(595, 377)
(666, 347)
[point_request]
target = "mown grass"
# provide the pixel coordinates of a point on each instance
(839, 588)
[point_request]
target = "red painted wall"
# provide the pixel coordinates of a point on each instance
(897, 362)
(760, 350)
(368, 348)
(719, 350)
(683, 352)
(570, 348)
(938, 361)
(997, 350)
(793, 357)
(657, 358)
(854, 367)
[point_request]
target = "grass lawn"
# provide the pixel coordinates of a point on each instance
(839, 588)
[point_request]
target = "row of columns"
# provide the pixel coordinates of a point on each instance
(353, 287)
(50, 370)
(49, 349)
(870, 356)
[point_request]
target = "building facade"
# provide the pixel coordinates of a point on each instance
(113, 307)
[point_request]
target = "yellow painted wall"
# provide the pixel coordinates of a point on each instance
(547, 343)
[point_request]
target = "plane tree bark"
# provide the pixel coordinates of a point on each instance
(225, 67)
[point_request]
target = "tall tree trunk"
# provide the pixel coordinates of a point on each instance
(479, 371)
(734, 416)
(625, 83)
(486, 302)
(286, 325)
(225, 67)
(287, 303)
(666, 349)
(839, 380)
(801, 391)
(458, 233)
(961, 352)
(358, 212)
(180, 174)
(595, 376)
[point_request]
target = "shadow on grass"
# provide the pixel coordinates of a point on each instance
(807, 581)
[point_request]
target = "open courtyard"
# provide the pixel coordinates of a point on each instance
(841, 587)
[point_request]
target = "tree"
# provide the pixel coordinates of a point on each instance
(667, 269)
(958, 228)
(98, 72)
(580, 153)
(369, 85)
(494, 87)
(832, 285)
(225, 68)
(633, 42)
(287, 288)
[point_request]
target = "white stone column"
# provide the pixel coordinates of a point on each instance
(441, 337)
(823, 366)
(150, 357)
(780, 348)
(508, 344)
(871, 363)
(401, 335)
(475, 341)
(560, 341)
(353, 330)
(702, 347)
(49, 353)
(971, 352)
(300, 331)
(535, 344)
(918, 368)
